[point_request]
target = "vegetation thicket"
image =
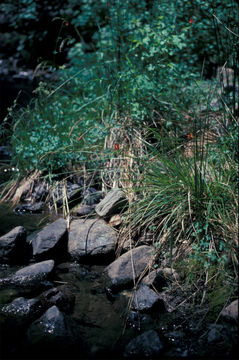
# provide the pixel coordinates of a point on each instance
(136, 106)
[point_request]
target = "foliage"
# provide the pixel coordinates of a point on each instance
(50, 134)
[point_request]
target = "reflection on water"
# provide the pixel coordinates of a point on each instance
(9, 219)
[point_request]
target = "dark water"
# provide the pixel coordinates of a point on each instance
(100, 322)
(32, 222)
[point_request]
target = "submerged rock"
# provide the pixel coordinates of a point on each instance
(14, 247)
(51, 242)
(120, 274)
(113, 202)
(146, 345)
(91, 238)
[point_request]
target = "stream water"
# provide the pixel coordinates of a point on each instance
(101, 322)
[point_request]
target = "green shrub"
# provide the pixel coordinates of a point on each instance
(51, 134)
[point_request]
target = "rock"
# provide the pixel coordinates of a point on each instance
(60, 296)
(215, 333)
(14, 247)
(30, 276)
(115, 220)
(21, 311)
(83, 210)
(49, 329)
(91, 238)
(91, 196)
(40, 192)
(113, 202)
(39, 270)
(146, 345)
(73, 193)
(155, 280)
(231, 311)
(51, 242)
(146, 299)
(146, 238)
(127, 245)
(5, 155)
(119, 274)
(35, 208)
(170, 273)
(138, 320)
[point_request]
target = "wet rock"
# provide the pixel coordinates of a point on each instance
(91, 238)
(113, 202)
(120, 274)
(146, 345)
(50, 329)
(30, 208)
(138, 320)
(51, 242)
(39, 270)
(60, 296)
(156, 280)
(231, 312)
(14, 247)
(22, 311)
(146, 299)
(30, 276)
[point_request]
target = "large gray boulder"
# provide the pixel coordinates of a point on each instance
(146, 345)
(29, 276)
(51, 242)
(91, 238)
(121, 273)
(14, 247)
(113, 202)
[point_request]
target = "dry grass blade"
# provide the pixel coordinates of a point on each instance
(22, 187)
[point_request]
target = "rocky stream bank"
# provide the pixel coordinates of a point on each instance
(65, 294)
